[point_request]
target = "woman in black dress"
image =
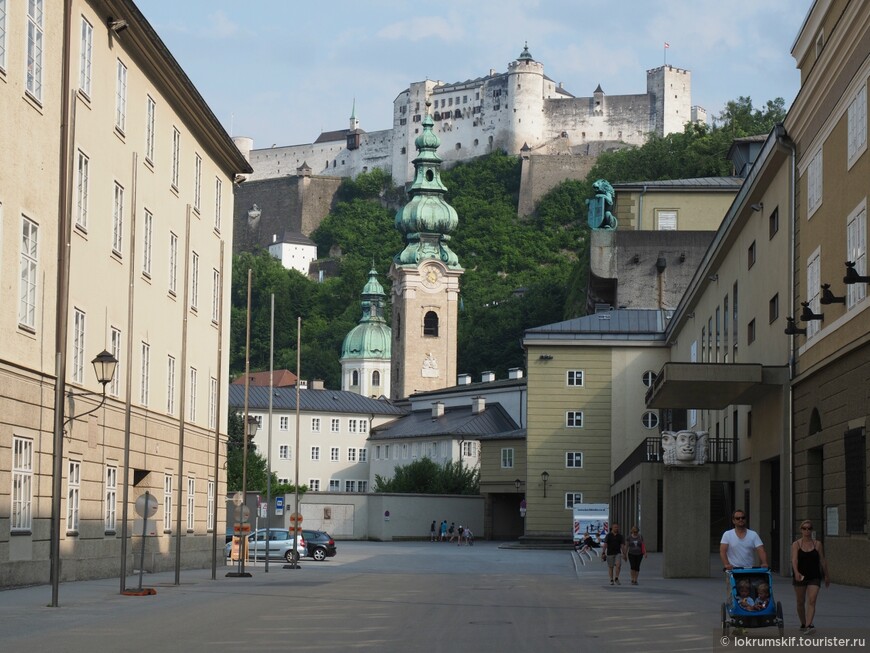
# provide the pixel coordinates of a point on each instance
(809, 567)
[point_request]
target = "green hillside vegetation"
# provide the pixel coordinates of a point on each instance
(520, 271)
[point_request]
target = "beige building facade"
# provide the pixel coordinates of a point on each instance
(114, 236)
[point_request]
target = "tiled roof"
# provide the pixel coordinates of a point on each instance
(314, 401)
(456, 421)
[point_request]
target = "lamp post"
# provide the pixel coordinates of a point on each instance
(545, 476)
(517, 484)
(104, 367)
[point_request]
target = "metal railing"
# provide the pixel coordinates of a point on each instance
(720, 450)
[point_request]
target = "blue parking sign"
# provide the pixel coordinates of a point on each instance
(279, 505)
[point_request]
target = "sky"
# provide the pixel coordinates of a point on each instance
(281, 72)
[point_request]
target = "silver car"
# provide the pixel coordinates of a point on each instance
(280, 545)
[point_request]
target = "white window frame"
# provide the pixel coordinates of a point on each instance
(284, 452)
(572, 499)
(364, 427)
(167, 503)
(194, 281)
(284, 422)
(814, 289)
(574, 419)
(649, 377)
(315, 453)
(334, 455)
(649, 419)
(507, 458)
(856, 251)
(147, 242)
(335, 485)
(118, 220)
(212, 402)
(215, 296)
(86, 56)
(83, 165)
(150, 119)
(145, 378)
(315, 425)
(209, 506)
(21, 518)
(28, 272)
(115, 346)
(73, 494)
(352, 425)
(78, 346)
(856, 138)
(334, 425)
(469, 449)
(362, 486)
(197, 183)
(110, 509)
(170, 384)
(363, 454)
(351, 454)
(121, 97)
(193, 377)
(173, 263)
(35, 40)
(314, 485)
(814, 183)
(574, 378)
(350, 486)
(573, 460)
(218, 191)
(191, 503)
(176, 156)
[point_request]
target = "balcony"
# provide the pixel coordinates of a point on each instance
(720, 450)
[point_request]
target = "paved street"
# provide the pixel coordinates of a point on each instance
(414, 596)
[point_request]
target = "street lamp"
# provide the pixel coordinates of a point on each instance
(517, 484)
(545, 476)
(104, 367)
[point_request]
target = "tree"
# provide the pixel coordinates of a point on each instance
(425, 476)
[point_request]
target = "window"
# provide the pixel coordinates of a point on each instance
(650, 419)
(352, 425)
(773, 309)
(111, 499)
(197, 183)
(667, 220)
(364, 426)
(363, 455)
(176, 154)
(378, 452)
(572, 498)
(115, 347)
(170, 385)
(218, 190)
(194, 282)
(314, 484)
(856, 140)
(750, 332)
(215, 296)
(350, 486)
(78, 347)
(22, 484)
(750, 256)
(192, 394)
(73, 494)
(167, 503)
(362, 486)
(573, 459)
(507, 458)
(118, 219)
(191, 502)
(575, 378)
(334, 485)
(150, 115)
(209, 509)
(856, 251)
(334, 455)
(2, 34)
(315, 425)
(146, 374)
(469, 449)
(82, 169)
(212, 402)
(35, 30)
(147, 236)
(648, 378)
(284, 451)
(430, 324)
(814, 289)
(814, 184)
(284, 422)
(574, 419)
(27, 273)
(376, 379)
(773, 223)
(351, 455)
(334, 425)
(121, 97)
(173, 262)
(315, 453)
(354, 378)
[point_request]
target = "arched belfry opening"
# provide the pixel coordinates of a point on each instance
(430, 324)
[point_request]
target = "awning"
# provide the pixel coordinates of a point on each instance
(713, 385)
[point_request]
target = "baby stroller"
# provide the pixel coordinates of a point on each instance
(750, 611)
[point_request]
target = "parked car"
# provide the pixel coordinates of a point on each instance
(320, 544)
(281, 545)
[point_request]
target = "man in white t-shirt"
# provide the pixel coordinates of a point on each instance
(740, 545)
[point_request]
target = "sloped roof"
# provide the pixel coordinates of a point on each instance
(456, 421)
(337, 135)
(696, 183)
(280, 378)
(314, 401)
(620, 324)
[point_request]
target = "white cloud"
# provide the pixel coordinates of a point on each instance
(422, 28)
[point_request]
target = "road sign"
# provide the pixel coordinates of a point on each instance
(279, 505)
(295, 517)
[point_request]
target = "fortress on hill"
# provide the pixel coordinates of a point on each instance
(521, 111)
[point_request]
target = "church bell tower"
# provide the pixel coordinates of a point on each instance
(425, 276)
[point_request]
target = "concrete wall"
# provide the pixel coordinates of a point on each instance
(542, 173)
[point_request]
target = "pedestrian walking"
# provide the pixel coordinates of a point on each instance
(469, 537)
(461, 532)
(444, 530)
(451, 532)
(432, 531)
(809, 567)
(636, 549)
(614, 553)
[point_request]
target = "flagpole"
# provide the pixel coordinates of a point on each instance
(665, 51)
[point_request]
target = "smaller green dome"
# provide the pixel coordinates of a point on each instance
(372, 337)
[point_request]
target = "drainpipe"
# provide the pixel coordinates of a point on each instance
(640, 209)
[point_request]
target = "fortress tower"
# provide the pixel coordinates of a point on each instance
(670, 91)
(525, 101)
(425, 279)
